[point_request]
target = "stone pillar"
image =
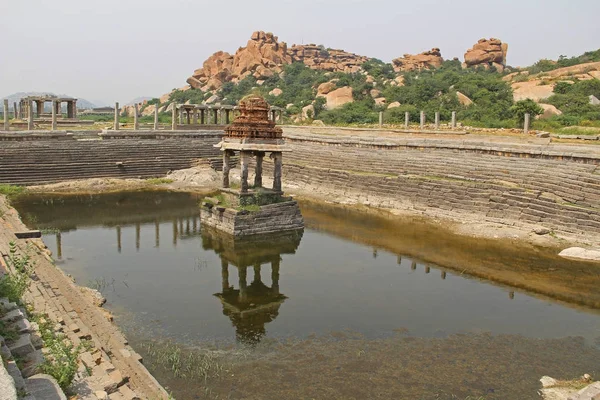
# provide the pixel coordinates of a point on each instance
(242, 283)
(453, 119)
(422, 125)
(257, 277)
(138, 235)
(259, 168)
(226, 168)
(437, 120)
(75, 109)
(526, 124)
(224, 275)
(69, 109)
(216, 116)
(6, 123)
(188, 119)
(227, 117)
(406, 119)
(54, 115)
(119, 239)
(195, 117)
(58, 245)
(116, 123)
(58, 109)
(380, 118)
(278, 162)
(16, 110)
(244, 160)
(275, 275)
(174, 117)
(39, 107)
(156, 118)
(202, 116)
(156, 234)
(136, 122)
(181, 116)
(30, 115)
(174, 233)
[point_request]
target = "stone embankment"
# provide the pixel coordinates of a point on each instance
(108, 368)
(499, 180)
(40, 159)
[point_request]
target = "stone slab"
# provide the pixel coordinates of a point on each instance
(45, 387)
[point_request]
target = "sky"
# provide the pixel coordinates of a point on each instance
(117, 50)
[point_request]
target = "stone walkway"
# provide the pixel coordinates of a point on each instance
(109, 368)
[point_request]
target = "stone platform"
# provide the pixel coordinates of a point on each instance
(277, 217)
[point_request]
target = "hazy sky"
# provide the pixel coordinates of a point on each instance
(116, 50)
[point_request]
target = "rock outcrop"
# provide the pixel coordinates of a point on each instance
(533, 90)
(317, 57)
(262, 57)
(339, 97)
(487, 53)
(426, 60)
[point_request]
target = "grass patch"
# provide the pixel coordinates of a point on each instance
(61, 357)
(159, 181)
(14, 284)
(11, 191)
(249, 208)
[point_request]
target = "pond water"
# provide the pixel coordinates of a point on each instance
(164, 276)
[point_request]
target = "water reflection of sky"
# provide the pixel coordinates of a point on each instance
(330, 284)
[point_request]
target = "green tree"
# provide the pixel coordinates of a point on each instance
(523, 107)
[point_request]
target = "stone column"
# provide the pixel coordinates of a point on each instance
(58, 245)
(242, 283)
(526, 124)
(69, 109)
(453, 119)
(6, 123)
(75, 109)
(278, 162)
(16, 110)
(380, 118)
(195, 117)
(181, 116)
(116, 123)
(257, 277)
(39, 106)
(259, 168)
(437, 120)
(156, 234)
(58, 109)
(30, 115)
(54, 115)
(244, 160)
(119, 239)
(275, 275)
(175, 233)
(136, 122)
(226, 168)
(406, 119)
(138, 235)
(187, 117)
(227, 117)
(156, 118)
(174, 117)
(203, 116)
(224, 275)
(216, 116)
(422, 125)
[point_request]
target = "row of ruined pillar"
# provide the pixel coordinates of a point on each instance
(245, 157)
(27, 109)
(193, 115)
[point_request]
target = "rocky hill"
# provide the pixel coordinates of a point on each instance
(312, 81)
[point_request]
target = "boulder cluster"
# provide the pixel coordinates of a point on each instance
(426, 60)
(264, 56)
(487, 53)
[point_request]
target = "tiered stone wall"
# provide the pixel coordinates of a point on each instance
(552, 185)
(38, 159)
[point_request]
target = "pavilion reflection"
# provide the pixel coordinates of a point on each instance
(251, 307)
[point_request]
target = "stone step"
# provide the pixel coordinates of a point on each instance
(42, 386)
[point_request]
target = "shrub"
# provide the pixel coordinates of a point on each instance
(523, 107)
